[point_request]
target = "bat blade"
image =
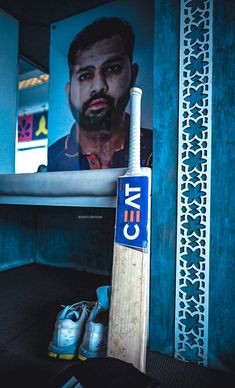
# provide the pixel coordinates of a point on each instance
(128, 320)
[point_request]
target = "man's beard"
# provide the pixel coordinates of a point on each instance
(102, 119)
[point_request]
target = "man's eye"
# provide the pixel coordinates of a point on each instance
(84, 76)
(113, 69)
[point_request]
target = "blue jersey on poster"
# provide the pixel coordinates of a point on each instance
(132, 212)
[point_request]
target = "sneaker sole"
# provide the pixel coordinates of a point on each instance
(81, 357)
(63, 356)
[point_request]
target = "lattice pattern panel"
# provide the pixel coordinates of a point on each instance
(194, 160)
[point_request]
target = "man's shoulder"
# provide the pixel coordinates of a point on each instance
(146, 132)
(146, 137)
(146, 147)
(56, 154)
(57, 145)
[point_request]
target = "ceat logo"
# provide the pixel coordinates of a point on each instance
(132, 212)
(131, 232)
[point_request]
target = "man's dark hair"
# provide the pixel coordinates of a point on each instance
(101, 29)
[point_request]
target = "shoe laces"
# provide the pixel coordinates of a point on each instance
(74, 311)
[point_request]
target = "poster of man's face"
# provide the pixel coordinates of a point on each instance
(96, 58)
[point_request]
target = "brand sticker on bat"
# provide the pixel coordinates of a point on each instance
(132, 212)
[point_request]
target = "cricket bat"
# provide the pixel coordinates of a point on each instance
(129, 308)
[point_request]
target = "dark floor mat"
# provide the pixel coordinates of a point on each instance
(35, 292)
(173, 373)
(30, 299)
(105, 372)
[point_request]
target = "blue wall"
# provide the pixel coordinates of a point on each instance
(68, 237)
(18, 237)
(80, 238)
(166, 78)
(8, 95)
(221, 329)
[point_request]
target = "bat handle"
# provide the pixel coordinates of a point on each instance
(135, 116)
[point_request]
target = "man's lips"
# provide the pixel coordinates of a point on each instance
(98, 104)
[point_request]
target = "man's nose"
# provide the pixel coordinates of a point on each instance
(99, 84)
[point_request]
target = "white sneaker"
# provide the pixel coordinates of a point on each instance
(94, 342)
(69, 330)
